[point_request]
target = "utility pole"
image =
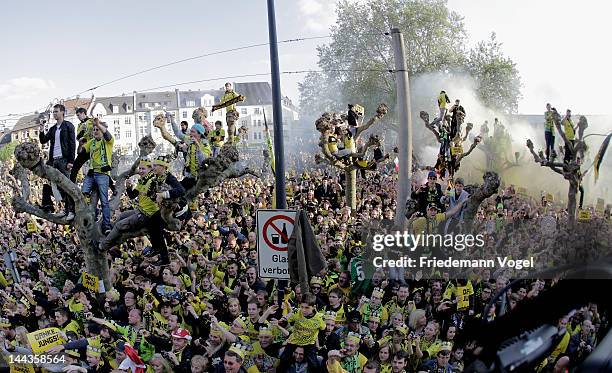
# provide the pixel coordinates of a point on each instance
(277, 123)
(277, 110)
(405, 126)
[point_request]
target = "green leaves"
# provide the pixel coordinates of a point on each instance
(357, 60)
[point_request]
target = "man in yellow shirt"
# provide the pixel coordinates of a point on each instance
(429, 224)
(100, 149)
(570, 134)
(442, 101)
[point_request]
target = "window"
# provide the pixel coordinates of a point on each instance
(117, 133)
(116, 123)
(128, 120)
(184, 115)
(128, 134)
(115, 109)
(146, 105)
(129, 146)
(243, 111)
(243, 122)
(256, 110)
(128, 108)
(190, 103)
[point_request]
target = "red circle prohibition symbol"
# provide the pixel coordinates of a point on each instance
(269, 224)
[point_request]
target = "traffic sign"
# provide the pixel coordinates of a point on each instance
(274, 228)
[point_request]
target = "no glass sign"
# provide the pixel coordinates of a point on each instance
(274, 227)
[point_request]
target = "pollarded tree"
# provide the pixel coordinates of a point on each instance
(28, 156)
(326, 125)
(569, 169)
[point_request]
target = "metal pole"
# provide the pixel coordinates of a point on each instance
(405, 126)
(277, 110)
(277, 122)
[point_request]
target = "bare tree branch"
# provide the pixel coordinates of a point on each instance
(425, 116)
(489, 187)
(381, 111)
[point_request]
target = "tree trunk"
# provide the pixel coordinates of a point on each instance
(489, 187)
(571, 201)
(351, 189)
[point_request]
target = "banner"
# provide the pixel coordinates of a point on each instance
(584, 215)
(22, 368)
(31, 226)
(42, 340)
(91, 282)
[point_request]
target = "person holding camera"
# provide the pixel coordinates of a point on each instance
(100, 149)
(62, 148)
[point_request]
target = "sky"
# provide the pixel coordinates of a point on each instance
(58, 49)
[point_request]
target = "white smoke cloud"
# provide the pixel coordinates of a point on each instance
(425, 89)
(318, 15)
(24, 88)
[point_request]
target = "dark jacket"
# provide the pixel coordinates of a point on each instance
(67, 139)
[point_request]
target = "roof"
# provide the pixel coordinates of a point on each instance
(196, 96)
(164, 99)
(256, 93)
(121, 101)
(72, 105)
(26, 122)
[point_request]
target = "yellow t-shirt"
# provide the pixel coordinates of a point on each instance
(568, 128)
(305, 329)
(424, 225)
(100, 153)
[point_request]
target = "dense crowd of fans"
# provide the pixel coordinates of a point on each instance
(204, 308)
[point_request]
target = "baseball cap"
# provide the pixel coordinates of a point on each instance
(181, 333)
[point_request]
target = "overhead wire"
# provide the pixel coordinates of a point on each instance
(261, 74)
(210, 79)
(198, 57)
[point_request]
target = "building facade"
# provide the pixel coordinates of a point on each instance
(130, 117)
(118, 113)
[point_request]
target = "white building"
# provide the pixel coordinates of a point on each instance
(118, 113)
(146, 106)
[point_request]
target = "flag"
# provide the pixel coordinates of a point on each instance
(132, 362)
(600, 155)
(304, 253)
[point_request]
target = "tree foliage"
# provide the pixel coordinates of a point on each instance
(357, 61)
(499, 84)
(6, 151)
